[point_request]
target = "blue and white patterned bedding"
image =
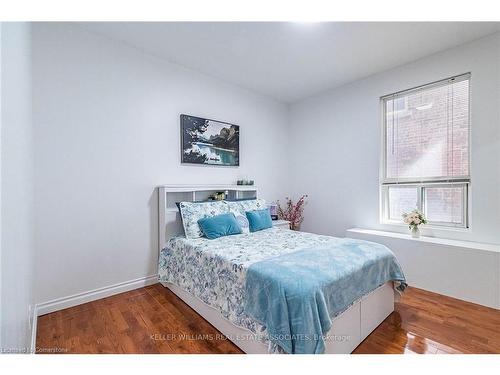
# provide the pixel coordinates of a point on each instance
(215, 270)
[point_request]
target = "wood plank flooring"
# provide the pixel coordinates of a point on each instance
(154, 320)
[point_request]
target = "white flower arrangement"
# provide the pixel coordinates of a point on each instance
(414, 219)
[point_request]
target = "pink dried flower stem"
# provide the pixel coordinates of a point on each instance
(293, 212)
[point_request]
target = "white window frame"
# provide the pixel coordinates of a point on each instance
(421, 184)
(421, 203)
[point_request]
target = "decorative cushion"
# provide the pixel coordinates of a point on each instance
(242, 222)
(259, 219)
(219, 226)
(191, 212)
(239, 208)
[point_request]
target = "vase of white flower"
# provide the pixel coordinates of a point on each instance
(413, 220)
(415, 232)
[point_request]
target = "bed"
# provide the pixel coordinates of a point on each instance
(212, 276)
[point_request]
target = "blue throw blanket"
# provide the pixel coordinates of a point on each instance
(296, 295)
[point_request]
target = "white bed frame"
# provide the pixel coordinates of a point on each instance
(348, 330)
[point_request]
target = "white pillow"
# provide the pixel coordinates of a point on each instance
(191, 212)
(240, 218)
(239, 209)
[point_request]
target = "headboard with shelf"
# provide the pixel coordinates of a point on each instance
(169, 220)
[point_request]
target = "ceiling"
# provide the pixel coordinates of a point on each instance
(288, 60)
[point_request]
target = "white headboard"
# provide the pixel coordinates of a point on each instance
(169, 220)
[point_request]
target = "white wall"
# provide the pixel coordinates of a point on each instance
(16, 187)
(106, 120)
(335, 138)
(454, 268)
(106, 124)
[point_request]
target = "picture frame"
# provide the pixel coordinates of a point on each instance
(209, 142)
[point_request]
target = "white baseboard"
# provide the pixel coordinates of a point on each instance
(92, 295)
(34, 322)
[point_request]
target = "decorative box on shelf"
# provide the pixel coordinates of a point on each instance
(281, 224)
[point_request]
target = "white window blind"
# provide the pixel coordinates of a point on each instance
(427, 132)
(426, 152)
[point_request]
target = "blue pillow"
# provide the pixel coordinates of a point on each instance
(259, 219)
(219, 225)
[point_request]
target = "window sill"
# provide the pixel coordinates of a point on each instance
(399, 224)
(441, 241)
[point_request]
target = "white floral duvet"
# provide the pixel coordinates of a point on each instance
(215, 270)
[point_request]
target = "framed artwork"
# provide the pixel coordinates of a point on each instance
(209, 142)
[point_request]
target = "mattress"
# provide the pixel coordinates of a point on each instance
(214, 271)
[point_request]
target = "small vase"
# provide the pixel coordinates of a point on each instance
(415, 232)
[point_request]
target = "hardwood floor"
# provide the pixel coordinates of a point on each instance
(154, 320)
(426, 322)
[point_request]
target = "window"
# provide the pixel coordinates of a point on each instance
(426, 152)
